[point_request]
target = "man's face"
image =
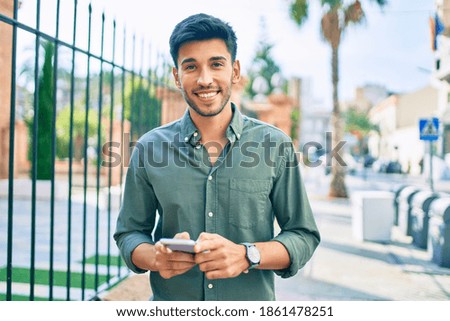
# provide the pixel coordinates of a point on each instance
(205, 75)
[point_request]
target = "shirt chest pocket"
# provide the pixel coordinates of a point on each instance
(249, 202)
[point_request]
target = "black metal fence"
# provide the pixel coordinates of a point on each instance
(57, 216)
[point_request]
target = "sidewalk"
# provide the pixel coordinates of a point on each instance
(344, 268)
(347, 269)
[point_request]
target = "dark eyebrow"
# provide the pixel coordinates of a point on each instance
(215, 58)
(187, 60)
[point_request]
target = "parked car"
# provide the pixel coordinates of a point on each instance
(394, 167)
(369, 160)
(389, 167)
(351, 165)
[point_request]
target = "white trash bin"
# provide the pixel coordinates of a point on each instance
(373, 215)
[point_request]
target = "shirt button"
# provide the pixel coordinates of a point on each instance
(238, 136)
(198, 146)
(186, 139)
(195, 134)
(210, 286)
(210, 178)
(210, 214)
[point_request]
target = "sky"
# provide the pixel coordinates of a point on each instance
(391, 48)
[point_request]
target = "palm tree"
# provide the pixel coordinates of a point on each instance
(359, 125)
(263, 65)
(338, 15)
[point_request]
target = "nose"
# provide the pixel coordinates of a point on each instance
(205, 78)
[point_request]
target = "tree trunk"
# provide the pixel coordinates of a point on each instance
(337, 185)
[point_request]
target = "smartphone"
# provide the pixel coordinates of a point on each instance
(179, 245)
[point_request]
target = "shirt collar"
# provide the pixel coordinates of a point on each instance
(192, 135)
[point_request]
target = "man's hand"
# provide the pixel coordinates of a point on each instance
(218, 257)
(171, 263)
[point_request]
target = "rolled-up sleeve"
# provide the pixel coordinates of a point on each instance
(137, 214)
(299, 233)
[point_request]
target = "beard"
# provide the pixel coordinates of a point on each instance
(209, 112)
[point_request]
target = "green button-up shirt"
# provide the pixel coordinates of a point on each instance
(256, 181)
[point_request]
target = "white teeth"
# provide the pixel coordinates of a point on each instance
(208, 95)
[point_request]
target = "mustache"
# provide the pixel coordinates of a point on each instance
(203, 88)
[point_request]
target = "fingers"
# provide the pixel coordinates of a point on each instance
(208, 242)
(172, 263)
(218, 257)
(208, 255)
(183, 235)
(159, 247)
(219, 268)
(166, 254)
(168, 269)
(164, 249)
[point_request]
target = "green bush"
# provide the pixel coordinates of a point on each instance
(63, 131)
(142, 107)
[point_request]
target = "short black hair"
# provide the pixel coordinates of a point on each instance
(202, 27)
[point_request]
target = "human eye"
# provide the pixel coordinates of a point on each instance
(217, 64)
(189, 67)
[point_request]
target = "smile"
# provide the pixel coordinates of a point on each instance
(207, 95)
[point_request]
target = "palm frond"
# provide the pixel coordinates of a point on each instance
(331, 27)
(354, 13)
(298, 11)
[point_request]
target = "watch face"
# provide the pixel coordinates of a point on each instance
(253, 254)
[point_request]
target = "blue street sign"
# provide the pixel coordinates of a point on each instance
(429, 128)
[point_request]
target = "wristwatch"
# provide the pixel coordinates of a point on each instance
(252, 254)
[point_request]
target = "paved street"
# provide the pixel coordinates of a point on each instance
(22, 240)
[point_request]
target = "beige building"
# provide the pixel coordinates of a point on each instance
(6, 8)
(276, 111)
(277, 108)
(441, 47)
(398, 120)
(20, 131)
(365, 98)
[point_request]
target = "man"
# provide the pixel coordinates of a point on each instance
(217, 177)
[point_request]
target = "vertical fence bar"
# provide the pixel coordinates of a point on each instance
(35, 153)
(69, 198)
(122, 122)
(12, 122)
(86, 131)
(158, 91)
(111, 124)
(149, 87)
(132, 97)
(161, 82)
(170, 82)
(169, 95)
(53, 151)
(140, 94)
(153, 78)
(166, 93)
(99, 142)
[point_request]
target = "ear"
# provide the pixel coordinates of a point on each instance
(236, 72)
(176, 77)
